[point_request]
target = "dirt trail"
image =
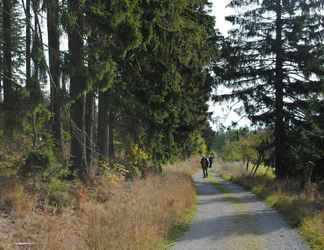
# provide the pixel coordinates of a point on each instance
(230, 218)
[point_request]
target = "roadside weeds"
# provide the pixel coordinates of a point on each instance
(146, 214)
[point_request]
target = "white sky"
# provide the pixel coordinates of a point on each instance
(224, 113)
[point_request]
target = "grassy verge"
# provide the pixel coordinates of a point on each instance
(302, 207)
(143, 214)
(178, 228)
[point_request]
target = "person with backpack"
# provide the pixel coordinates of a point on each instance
(204, 165)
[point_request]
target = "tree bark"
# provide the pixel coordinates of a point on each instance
(1, 56)
(34, 88)
(54, 71)
(28, 45)
(102, 132)
(77, 86)
(1, 66)
(90, 120)
(111, 147)
(279, 130)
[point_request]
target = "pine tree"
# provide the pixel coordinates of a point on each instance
(77, 87)
(111, 35)
(28, 43)
(267, 66)
(55, 72)
(168, 76)
(8, 88)
(12, 60)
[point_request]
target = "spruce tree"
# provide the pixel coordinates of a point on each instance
(8, 82)
(55, 72)
(112, 32)
(12, 44)
(267, 60)
(77, 87)
(168, 77)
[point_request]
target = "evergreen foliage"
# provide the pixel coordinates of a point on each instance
(273, 62)
(131, 90)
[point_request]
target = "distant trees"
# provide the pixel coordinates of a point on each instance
(273, 61)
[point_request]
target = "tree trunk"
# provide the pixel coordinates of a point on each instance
(54, 71)
(111, 148)
(279, 130)
(28, 45)
(1, 66)
(90, 119)
(8, 92)
(77, 86)
(105, 131)
(102, 132)
(1, 54)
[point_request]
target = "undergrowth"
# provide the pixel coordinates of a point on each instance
(108, 213)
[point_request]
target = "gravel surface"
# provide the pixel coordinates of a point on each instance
(230, 218)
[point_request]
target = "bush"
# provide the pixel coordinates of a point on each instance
(42, 164)
(43, 173)
(57, 193)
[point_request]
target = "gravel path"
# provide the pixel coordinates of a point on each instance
(230, 218)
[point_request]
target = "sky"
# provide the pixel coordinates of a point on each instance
(219, 10)
(225, 113)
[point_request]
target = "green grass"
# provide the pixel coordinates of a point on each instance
(180, 226)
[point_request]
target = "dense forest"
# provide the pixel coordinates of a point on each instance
(90, 85)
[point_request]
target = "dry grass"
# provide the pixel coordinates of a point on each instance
(141, 215)
(14, 199)
(302, 207)
(109, 215)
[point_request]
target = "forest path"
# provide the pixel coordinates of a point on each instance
(230, 218)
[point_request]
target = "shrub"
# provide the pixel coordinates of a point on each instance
(42, 164)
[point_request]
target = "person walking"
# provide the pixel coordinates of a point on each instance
(204, 165)
(211, 161)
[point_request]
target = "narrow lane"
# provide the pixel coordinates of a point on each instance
(230, 218)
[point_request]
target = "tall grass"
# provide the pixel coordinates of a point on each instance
(113, 215)
(303, 207)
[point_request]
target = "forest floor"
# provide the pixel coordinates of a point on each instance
(230, 218)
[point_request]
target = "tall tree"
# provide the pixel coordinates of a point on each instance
(266, 65)
(168, 76)
(28, 43)
(77, 87)
(8, 82)
(54, 71)
(114, 29)
(1, 51)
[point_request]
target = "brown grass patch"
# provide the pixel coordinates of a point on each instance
(110, 215)
(14, 199)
